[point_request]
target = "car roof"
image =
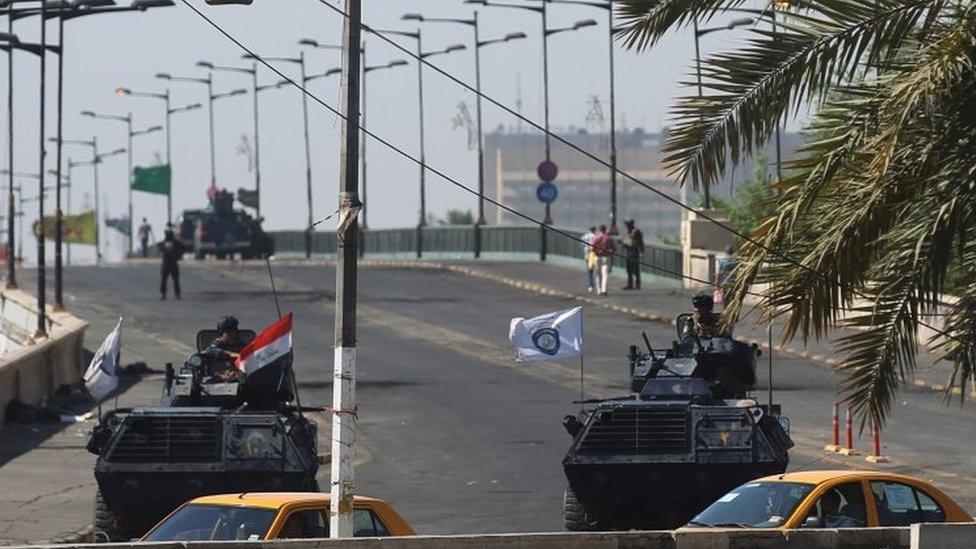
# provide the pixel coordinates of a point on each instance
(818, 477)
(271, 500)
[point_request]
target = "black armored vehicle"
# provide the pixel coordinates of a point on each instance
(213, 433)
(687, 434)
(222, 231)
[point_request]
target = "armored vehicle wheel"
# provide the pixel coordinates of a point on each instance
(574, 514)
(106, 525)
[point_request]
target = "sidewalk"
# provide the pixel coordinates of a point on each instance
(662, 302)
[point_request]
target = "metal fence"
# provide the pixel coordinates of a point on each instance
(497, 242)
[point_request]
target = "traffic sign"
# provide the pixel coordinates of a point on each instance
(546, 192)
(547, 171)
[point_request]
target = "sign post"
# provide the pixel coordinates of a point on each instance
(546, 192)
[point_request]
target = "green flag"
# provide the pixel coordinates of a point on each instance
(155, 179)
(75, 229)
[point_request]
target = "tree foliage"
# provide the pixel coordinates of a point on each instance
(880, 205)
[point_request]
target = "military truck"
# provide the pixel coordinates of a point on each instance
(223, 231)
(209, 436)
(687, 434)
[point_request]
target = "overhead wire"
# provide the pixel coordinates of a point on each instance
(617, 170)
(537, 126)
(417, 161)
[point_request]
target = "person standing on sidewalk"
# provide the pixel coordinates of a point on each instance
(171, 250)
(589, 258)
(605, 248)
(145, 233)
(633, 243)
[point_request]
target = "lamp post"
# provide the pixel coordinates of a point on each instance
(211, 98)
(366, 70)
(546, 33)
(478, 44)
(127, 120)
(93, 144)
(123, 92)
(608, 7)
(300, 61)
(418, 37)
(735, 23)
(12, 42)
(253, 71)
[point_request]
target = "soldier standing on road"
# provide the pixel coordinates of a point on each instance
(145, 233)
(172, 251)
(634, 248)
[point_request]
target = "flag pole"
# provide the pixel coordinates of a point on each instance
(582, 355)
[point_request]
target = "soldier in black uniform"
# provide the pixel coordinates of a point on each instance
(634, 248)
(171, 250)
(224, 350)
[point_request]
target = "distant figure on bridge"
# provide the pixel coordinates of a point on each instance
(589, 258)
(633, 243)
(605, 248)
(171, 250)
(145, 233)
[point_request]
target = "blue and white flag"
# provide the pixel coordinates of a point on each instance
(547, 337)
(102, 376)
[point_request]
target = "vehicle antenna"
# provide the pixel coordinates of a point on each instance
(770, 382)
(647, 342)
(274, 292)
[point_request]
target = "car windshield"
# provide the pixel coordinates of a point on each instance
(754, 505)
(213, 522)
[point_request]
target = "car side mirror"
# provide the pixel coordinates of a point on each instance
(813, 522)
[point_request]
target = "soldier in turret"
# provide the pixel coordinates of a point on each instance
(224, 350)
(706, 323)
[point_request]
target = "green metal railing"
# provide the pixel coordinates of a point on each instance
(457, 241)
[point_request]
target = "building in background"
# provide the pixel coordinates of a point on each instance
(511, 159)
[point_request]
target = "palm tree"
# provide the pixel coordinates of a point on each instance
(879, 207)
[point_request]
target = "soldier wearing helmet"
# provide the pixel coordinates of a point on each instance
(705, 321)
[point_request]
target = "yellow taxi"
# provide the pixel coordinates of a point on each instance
(272, 515)
(831, 499)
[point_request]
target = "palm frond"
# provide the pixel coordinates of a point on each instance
(643, 22)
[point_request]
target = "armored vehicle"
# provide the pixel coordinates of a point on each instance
(687, 434)
(209, 436)
(223, 231)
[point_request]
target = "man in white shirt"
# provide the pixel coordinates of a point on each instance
(589, 262)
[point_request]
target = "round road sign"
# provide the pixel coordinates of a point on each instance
(547, 171)
(546, 192)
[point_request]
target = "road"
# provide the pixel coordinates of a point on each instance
(451, 431)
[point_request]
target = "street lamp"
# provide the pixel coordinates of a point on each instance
(127, 120)
(417, 35)
(734, 24)
(478, 44)
(93, 144)
(300, 61)
(546, 33)
(124, 92)
(253, 71)
(211, 97)
(366, 70)
(608, 6)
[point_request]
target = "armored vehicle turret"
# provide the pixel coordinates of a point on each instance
(215, 431)
(687, 434)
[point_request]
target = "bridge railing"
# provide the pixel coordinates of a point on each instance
(458, 242)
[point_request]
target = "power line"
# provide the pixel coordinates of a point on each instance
(626, 175)
(415, 160)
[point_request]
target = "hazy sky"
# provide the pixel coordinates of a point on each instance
(104, 52)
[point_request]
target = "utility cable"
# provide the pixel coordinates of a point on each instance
(415, 160)
(604, 163)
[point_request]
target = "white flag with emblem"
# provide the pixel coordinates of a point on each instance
(547, 337)
(102, 376)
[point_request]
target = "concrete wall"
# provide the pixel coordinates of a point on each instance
(866, 538)
(32, 369)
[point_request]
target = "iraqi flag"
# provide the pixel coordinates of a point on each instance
(272, 347)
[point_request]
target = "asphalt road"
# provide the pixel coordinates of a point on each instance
(452, 432)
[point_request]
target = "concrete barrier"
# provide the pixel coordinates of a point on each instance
(944, 536)
(32, 369)
(873, 538)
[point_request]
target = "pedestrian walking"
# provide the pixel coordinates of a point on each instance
(605, 248)
(589, 258)
(633, 243)
(171, 250)
(145, 233)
